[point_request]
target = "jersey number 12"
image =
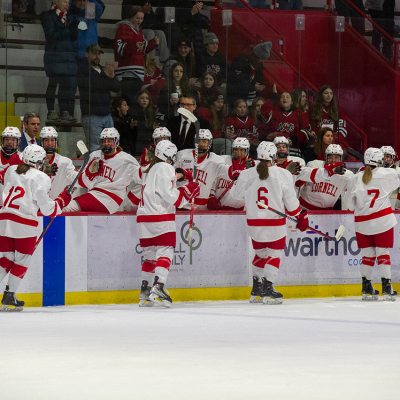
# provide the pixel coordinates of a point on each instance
(8, 202)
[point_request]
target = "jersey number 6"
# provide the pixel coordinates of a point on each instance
(261, 198)
(375, 192)
(8, 202)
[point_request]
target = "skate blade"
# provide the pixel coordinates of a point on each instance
(146, 303)
(255, 299)
(272, 301)
(11, 308)
(159, 302)
(389, 297)
(370, 297)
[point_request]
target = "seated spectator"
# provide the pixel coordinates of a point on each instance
(299, 97)
(324, 139)
(153, 78)
(324, 112)
(125, 125)
(215, 113)
(211, 59)
(129, 50)
(31, 129)
(144, 113)
(245, 76)
(177, 83)
(240, 124)
(208, 89)
(185, 56)
(255, 113)
(61, 31)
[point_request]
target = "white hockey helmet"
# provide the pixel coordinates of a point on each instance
(166, 150)
(34, 156)
(160, 133)
(207, 135)
(389, 150)
(241, 143)
(373, 156)
(280, 140)
(334, 149)
(110, 133)
(266, 151)
(48, 132)
(10, 132)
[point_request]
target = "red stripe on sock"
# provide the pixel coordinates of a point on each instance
(370, 261)
(384, 260)
(6, 264)
(163, 262)
(149, 266)
(18, 270)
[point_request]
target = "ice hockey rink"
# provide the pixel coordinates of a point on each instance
(336, 348)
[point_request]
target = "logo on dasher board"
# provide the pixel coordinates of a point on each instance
(196, 237)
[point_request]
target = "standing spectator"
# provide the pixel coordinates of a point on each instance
(245, 76)
(240, 124)
(344, 8)
(299, 97)
(31, 126)
(125, 125)
(153, 78)
(208, 89)
(324, 139)
(211, 59)
(61, 31)
(185, 56)
(96, 95)
(255, 113)
(129, 50)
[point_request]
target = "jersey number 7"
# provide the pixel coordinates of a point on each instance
(375, 192)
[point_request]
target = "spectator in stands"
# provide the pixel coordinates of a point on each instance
(125, 125)
(208, 89)
(177, 83)
(344, 8)
(31, 129)
(153, 78)
(255, 113)
(182, 130)
(245, 76)
(185, 56)
(324, 139)
(215, 112)
(129, 50)
(61, 31)
(95, 91)
(324, 112)
(211, 59)
(299, 97)
(144, 113)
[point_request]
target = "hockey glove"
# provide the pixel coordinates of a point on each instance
(94, 169)
(302, 221)
(250, 163)
(50, 169)
(187, 175)
(191, 190)
(213, 203)
(15, 160)
(63, 199)
(236, 168)
(150, 152)
(331, 168)
(293, 167)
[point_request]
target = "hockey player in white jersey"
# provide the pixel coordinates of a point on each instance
(158, 135)
(107, 176)
(156, 221)
(322, 194)
(272, 186)
(25, 193)
(389, 162)
(60, 169)
(291, 163)
(368, 195)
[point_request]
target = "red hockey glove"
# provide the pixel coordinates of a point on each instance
(191, 190)
(335, 168)
(63, 199)
(187, 175)
(236, 168)
(15, 160)
(94, 169)
(213, 203)
(50, 169)
(147, 155)
(293, 167)
(302, 221)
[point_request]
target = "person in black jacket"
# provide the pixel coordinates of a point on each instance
(95, 85)
(125, 125)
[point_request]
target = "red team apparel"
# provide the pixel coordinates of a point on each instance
(110, 187)
(4, 163)
(64, 176)
(242, 127)
(327, 122)
(208, 168)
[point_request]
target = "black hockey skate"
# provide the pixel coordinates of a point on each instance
(387, 290)
(368, 291)
(255, 295)
(269, 294)
(144, 299)
(10, 302)
(159, 295)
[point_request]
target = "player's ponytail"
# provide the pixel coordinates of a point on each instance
(22, 169)
(153, 161)
(367, 176)
(262, 170)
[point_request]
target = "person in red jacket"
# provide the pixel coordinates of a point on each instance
(129, 50)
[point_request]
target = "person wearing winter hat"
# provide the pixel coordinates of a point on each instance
(245, 76)
(185, 56)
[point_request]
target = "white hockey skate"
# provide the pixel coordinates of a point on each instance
(159, 295)
(144, 299)
(368, 291)
(255, 295)
(10, 302)
(387, 290)
(269, 295)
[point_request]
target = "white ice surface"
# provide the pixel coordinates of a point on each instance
(339, 348)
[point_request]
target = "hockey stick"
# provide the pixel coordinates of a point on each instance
(225, 192)
(338, 235)
(355, 154)
(194, 120)
(85, 152)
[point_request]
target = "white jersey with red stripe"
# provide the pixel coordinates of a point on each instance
(65, 175)
(371, 203)
(3, 165)
(110, 187)
(159, 198)
(208, 168)
(222, 187)
(277, 191)
(23, 195)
